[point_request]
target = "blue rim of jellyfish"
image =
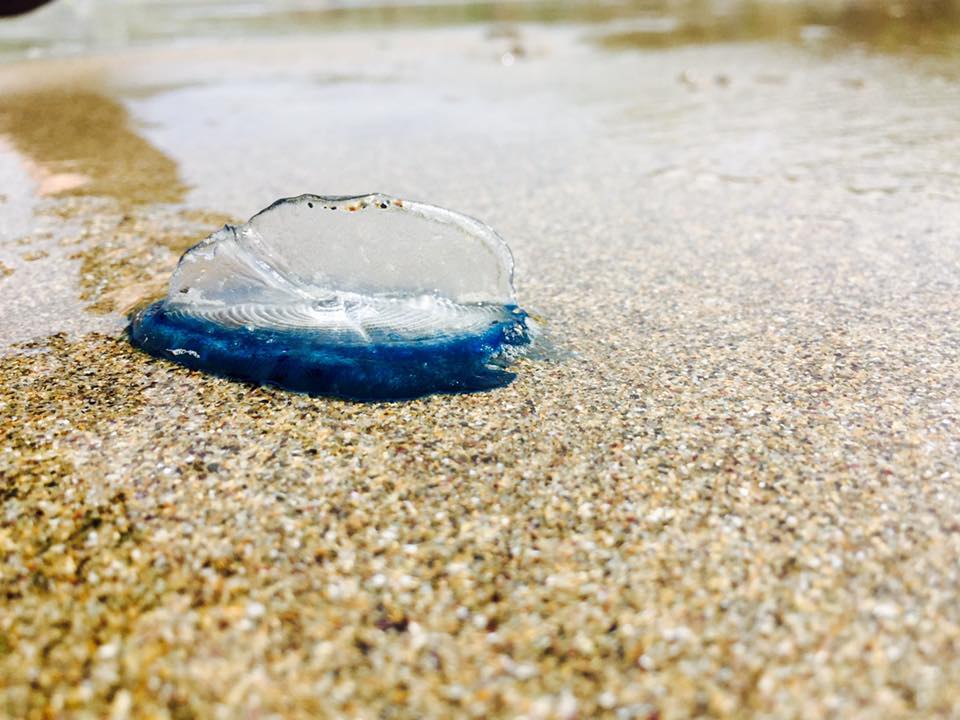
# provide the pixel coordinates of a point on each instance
(315, 363)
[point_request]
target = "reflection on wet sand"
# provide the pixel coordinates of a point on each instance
(79, 142)
(108, 193)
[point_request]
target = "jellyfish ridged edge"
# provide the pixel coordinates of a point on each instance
(307, 362)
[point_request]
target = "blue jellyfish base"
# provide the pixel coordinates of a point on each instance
(313, 363)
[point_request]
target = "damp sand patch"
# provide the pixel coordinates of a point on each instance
(129, 263)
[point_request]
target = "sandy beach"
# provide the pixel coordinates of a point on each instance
(730, 490)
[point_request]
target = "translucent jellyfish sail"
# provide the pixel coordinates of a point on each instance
(366, 297)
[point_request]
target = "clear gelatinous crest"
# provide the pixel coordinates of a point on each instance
(366, 297)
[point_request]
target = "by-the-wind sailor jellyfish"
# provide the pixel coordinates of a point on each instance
(365, 297)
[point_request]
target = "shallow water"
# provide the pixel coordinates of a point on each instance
(549, 131)
(736, 495)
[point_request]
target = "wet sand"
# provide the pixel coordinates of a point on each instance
(735, 495)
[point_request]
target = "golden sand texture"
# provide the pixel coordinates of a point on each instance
(547, 553)
(674, 537)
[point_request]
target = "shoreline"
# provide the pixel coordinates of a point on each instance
(734, 495)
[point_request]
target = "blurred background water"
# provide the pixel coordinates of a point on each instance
(889, 25)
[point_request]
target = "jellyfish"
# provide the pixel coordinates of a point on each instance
(365, 297)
